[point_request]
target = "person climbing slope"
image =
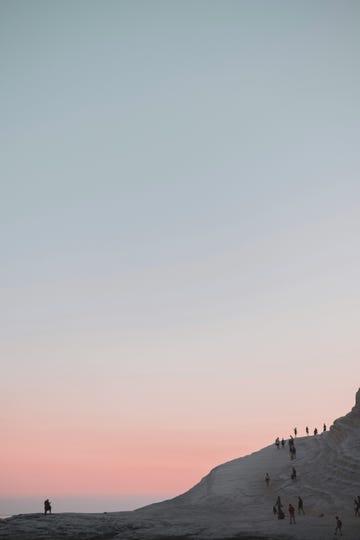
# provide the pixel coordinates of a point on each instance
(292, 514)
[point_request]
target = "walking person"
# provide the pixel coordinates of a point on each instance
(300, 506)
(338, 526)
(292, 514)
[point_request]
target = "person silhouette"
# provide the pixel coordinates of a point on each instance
(300, 506)
(338, 526)
(292, 514)
(47, 507)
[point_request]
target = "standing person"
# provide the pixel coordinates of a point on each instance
(307, 430)
(277, 442)
(293, 474)
(315, 431)
(292, 514)
(338, 526)
(279, 506)
(47, 507)
(356, 507)
(295, 431)
(324, 427)
(300, 506)
(282, 442)
(267, 479)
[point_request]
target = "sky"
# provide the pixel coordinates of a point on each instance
(179, 237)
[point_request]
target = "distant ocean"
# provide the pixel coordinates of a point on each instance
(10, 506)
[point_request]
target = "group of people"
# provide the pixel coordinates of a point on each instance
(277, 440)
(278, 506)
(292, 448)
(278, 509)
(315, 429)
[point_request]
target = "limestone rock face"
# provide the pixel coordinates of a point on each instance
(328, 474)
(353, 417)
(357, 400)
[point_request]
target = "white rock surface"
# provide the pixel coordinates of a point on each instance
(233, 500)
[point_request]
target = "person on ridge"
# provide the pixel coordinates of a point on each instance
(292, 514)
(315, 431)
(295, 431)
(324, 427)
(307, 430)
(47, 507)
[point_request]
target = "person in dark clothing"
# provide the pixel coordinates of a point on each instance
(307, 430)
(293, 474)
(47, 507)
(324, 427)
(292, 449)
(267, 479)
(338, 526)
(357, 507)
(300, 506)
(279, 506)
(282, 442)
(315, 431)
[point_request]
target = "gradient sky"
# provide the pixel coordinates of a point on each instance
(179, 236)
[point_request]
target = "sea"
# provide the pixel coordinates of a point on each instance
(10, 506)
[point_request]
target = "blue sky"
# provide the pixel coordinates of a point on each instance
(180, 214)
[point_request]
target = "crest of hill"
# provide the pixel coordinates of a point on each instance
(328, 475)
